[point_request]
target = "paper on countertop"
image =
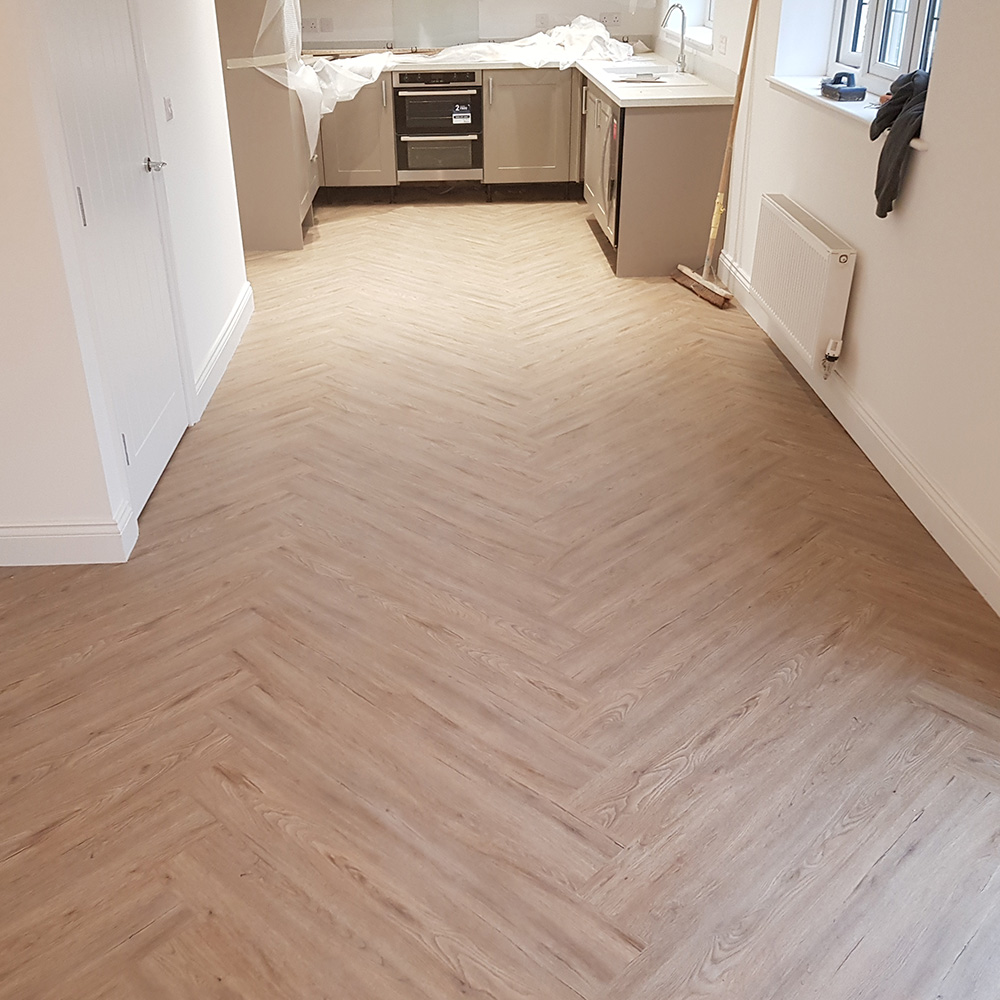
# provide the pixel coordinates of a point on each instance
(583, 38)
(321, 84)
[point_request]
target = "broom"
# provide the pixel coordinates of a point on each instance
(707, 284)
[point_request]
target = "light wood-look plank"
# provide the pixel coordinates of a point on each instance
(506, 630)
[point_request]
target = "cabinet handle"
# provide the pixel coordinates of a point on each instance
(384, 104)
(437, 93)
(491, 91)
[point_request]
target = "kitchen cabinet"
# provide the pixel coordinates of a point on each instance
(528, 133)
(277, 175)
(650, 176)
(358, 139)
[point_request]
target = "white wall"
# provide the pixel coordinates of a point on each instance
(52, 472)
(918, 379)
(369, 22)
(517, 18)
(181, 49)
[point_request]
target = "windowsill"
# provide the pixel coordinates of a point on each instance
(807, 88)
(699, 37)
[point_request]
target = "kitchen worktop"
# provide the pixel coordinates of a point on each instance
(606, 76)
(692, 91)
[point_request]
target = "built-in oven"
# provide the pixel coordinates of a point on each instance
(439, 125)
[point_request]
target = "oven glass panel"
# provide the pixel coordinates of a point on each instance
(440, 154)
(438, 114)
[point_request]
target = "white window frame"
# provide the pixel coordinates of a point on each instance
(865, 61)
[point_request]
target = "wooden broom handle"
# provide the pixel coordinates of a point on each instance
(727, 161)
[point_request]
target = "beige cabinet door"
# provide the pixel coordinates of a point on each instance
(527, 133)
(596, 154)
(358, 139)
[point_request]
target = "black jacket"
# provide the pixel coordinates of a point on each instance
(903, 115)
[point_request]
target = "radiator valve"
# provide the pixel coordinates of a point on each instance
(831, 357)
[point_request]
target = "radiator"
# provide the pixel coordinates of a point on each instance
(802, 272)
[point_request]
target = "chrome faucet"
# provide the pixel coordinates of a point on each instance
(681, 58)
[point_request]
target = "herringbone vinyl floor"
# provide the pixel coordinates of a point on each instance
(504, 630)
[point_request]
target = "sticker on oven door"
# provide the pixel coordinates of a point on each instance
(462, 115)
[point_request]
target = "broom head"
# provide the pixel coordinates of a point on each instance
(704, 287)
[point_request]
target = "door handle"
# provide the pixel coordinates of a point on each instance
(153, 165)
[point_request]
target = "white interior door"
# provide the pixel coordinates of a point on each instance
(97, 79)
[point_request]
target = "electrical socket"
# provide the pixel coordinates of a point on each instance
(612, 19)
(310, 25)
(722, 44)
(327, 25)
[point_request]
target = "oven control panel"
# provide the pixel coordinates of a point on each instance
(434, 78)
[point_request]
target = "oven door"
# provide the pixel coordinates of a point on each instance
(434, 111)
(440, 157)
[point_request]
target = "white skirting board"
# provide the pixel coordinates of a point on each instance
(973, 555)
(113, 541)
(207, 380)
(70, 544)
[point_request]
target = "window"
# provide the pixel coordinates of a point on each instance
(882, 39)
(699, 23)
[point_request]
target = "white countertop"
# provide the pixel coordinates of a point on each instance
(606, 76)
(609, 78)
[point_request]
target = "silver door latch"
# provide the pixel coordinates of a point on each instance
(152, 165)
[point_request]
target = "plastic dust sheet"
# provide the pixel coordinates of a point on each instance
(321, 84)
(278, 54)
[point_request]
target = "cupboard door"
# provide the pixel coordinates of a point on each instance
(97, 82)
(597, 152)
(358, 139)
(527, 134)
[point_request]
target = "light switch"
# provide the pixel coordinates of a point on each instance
(168, 108)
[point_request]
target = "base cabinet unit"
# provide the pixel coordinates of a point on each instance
(528, 134)
(358, 139)
(651, 176)
(277, 175)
